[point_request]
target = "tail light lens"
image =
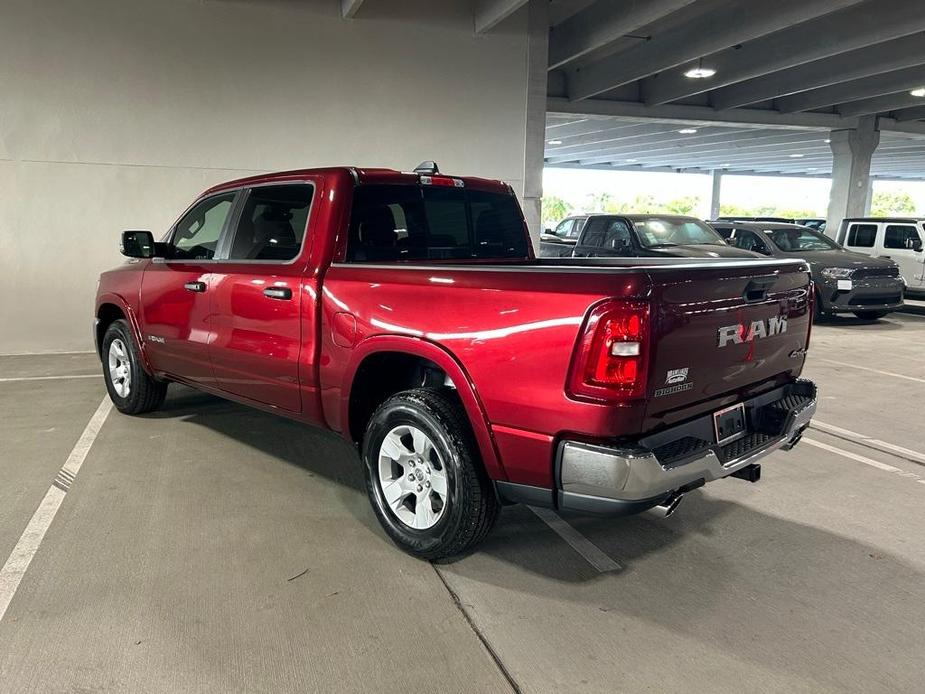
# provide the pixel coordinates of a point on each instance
(612, 356)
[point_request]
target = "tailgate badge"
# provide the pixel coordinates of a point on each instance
(741, 333)
(675, 376)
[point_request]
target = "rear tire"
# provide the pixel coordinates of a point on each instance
(870, 315)
(130, 387)
(424, 475)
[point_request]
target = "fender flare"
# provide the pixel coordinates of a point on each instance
(133, 323)
(475, 410)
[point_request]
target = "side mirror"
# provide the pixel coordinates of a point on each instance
(137, 244)
(547, 230)
(917, 245)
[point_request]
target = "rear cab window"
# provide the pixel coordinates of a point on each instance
(391, 223)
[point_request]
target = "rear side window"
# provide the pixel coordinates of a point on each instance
(900, 236)
(617, 237)
(272, 223)
(394, 223)
(862, 235)
(594, 232)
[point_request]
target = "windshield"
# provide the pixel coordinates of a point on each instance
(796, 240)
(654, 233)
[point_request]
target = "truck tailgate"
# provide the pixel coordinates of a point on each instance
(721, 331)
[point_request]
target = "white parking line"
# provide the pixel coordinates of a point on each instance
(876, 371)
(861, 459)
(885, 446)
(587, 549)
(15, 567)
(17, 379)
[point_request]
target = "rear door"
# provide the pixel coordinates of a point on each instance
(606, 237)
(261, 320)
(898, 242)
(718, 331)
(176, 292)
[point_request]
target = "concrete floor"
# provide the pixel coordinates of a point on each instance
(211, 548)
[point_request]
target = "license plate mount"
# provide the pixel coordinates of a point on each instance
(729, 424)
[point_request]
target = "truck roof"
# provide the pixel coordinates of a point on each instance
(884, 219)
(363, 176)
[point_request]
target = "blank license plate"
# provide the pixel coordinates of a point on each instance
(729, 423)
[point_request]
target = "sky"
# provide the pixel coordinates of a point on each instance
(575, 185)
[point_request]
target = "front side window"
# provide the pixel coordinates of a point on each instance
(661, 233)
(196, 235)
(862, 235)
(900, 236)
(272, 223)
(407, 222)
(797, 240)
(564, 228)
(594, 231)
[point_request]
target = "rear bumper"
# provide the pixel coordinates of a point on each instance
(873, 294)
(620, 480)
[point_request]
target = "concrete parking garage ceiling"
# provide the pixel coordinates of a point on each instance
(781, 76)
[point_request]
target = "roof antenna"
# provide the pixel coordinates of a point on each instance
(427, 168)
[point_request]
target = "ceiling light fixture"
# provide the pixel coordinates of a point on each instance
(554, 142)
(631, 161)
(700, 72)
(827, 141)
(797, 156)
(687, 131)
(918, 92)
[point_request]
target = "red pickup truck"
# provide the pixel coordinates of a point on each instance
(407, 312)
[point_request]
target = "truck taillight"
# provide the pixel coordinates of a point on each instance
(613, 353)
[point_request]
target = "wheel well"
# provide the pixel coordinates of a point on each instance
(382, 375)
(106, 316)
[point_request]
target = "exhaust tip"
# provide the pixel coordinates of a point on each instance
(668, 506)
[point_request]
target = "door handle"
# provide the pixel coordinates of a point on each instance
(283, 293)
(195, 286)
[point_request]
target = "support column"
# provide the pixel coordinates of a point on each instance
(535, 126)
(851, 188)
(715, 195)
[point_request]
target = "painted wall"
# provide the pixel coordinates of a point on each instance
(116, 113)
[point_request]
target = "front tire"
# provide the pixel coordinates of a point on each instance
(130, 387)
(424, 475)
(870, 315)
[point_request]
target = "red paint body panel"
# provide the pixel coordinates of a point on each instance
(505, 332)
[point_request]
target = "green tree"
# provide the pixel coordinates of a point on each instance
(884, 204)
(686, 205)
(554, 210)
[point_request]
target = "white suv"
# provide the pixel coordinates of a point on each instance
(898, 238)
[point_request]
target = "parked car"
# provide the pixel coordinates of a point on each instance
(817, 223)
(897, 238)
(845, 282)
(560, 242)
(406, 312)
(651, 236)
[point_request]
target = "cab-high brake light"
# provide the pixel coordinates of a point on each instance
(611, 359)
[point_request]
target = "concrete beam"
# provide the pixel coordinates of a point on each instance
(913, 113)
(880, 104)
(853, 90)
(349, 8)
(603, 23)
(710, 32)
(894, 54)
(853, 26)
(676, 113)
(852, 151)
(490, 13)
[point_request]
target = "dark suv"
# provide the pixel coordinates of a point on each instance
(846, 282)
(651, 236)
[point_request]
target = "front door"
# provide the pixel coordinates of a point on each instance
(175, 293)
(899, 243)
(262, 320)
